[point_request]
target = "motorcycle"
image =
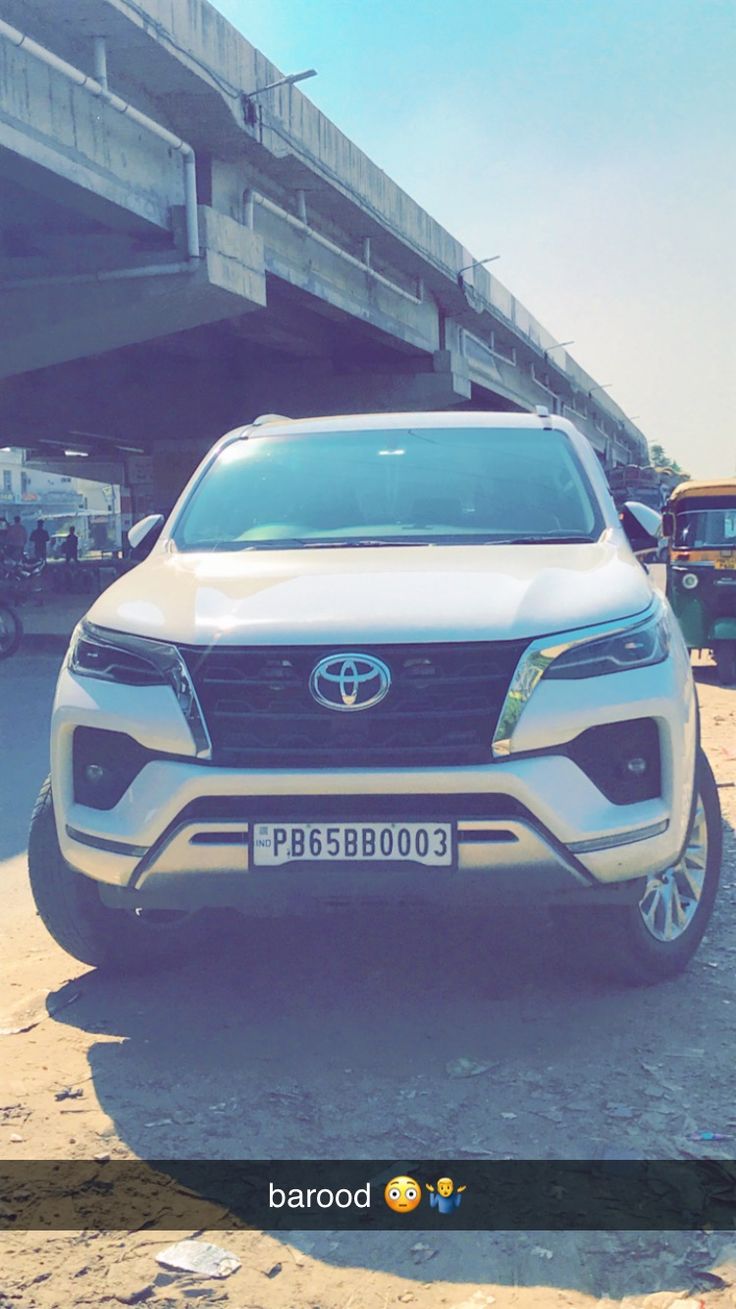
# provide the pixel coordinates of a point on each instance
(18, 579)
(11, 630)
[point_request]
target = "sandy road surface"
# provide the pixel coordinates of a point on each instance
(332, 1037)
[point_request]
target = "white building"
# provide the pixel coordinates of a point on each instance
(59, 499)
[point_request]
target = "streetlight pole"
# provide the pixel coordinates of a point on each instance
(477, 263)
(250, 110)
(282, 81)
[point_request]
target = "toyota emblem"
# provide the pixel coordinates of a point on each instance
(349, 681)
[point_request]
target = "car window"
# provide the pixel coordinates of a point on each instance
(421, 485)
(699, 528)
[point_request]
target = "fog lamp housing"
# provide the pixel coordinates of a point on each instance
(621, 759)
(104, 765)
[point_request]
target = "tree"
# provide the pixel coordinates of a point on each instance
(661, 460)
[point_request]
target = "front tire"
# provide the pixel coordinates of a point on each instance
(640, 944)
(725, 655)
(11, 631)
(72, 910)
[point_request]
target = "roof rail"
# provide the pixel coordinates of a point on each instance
(269, 418)
(542, 411)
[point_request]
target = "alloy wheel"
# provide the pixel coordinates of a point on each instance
(671, 899)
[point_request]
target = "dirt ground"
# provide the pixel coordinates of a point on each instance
(331, 1036)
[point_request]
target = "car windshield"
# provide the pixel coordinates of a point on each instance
(418, 486)
(698, 529)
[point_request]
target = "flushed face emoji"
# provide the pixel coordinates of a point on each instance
(402, 1194)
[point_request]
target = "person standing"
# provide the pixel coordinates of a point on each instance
(4, 526)
(71, 547)
(40, 540)
(17, 538)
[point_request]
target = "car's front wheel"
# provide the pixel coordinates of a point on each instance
(72, 910)
(656, 938)
(725, 656)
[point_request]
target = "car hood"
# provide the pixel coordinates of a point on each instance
(369, 595)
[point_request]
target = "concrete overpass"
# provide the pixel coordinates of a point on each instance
(178, 254)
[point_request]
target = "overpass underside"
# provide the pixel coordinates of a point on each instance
(110, 336)
(169, 268)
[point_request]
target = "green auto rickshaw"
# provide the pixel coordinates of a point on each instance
(700, 522)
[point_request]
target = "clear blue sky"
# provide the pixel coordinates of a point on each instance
(589, 142)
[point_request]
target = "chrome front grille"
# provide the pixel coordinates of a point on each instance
(441, 709)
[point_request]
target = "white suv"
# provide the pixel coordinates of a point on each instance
(394, 653)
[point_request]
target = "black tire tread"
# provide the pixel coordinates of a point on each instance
(11, 649)
(726, 665)
(50, 886)
(70, 907)
(612, 944)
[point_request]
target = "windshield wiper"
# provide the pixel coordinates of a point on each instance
(368, 542)
(382, 542)
(551, 539)
(326, 543)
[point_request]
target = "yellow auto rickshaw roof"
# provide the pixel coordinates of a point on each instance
(725, 486)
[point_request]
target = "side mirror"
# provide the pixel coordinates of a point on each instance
(642, 525)
(668, 525)
(143, 535)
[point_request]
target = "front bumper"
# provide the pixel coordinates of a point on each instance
(531, 819)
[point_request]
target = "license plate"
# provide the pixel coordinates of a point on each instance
(337, 843)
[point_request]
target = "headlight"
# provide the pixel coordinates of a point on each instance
(137, 661)
(117, 657)
(690, 581)
(636, 648)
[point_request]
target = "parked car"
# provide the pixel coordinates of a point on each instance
(389, 654)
